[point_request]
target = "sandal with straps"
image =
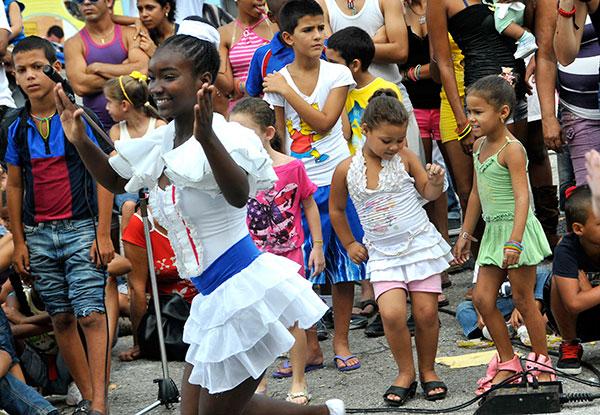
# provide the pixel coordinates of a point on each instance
(513, 365)
(403, 393)
(304, 394)
(538, 365)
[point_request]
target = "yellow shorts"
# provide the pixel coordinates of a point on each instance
(447, 121)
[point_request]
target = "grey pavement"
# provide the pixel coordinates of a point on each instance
(362, 388)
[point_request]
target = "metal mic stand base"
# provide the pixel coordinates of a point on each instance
(167, 390)
(167, 395)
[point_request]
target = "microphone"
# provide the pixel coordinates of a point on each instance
(51, 73)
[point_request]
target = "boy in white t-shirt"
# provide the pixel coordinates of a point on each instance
(309, 96)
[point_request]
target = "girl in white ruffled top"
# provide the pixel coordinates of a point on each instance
(405, 252)
(200, 170)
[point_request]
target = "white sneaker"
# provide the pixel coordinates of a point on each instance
(525, 46)
(73, 395)
(336, 407)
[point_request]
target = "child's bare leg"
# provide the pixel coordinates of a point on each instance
(392, 307)
(262, 386)
(240, 400)
(522, 281)
(127, 211)
(313, 348)
(342, 295)
(484, 299)
(95, 329)
(425, 312)
(367, 293)
(314, 355)
(298, 360)
(111, 302)
(514, 30)
(565, 321)
(67, 337)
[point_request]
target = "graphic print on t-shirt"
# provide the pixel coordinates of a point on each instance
(271, 222)
(303, 139)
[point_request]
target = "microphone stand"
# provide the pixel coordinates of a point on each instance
(168, 394)
(167, 390)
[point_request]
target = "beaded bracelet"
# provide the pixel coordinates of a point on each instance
(513, 246)
(465, 131)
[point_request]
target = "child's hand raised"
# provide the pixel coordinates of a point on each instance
(203, 112)
(357, 252)
(275, 83)
(435, 174)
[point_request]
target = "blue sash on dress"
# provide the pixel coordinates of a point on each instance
(232, 261)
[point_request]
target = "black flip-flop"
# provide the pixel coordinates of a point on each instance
(403, 393)
(434, 384)
(363, 304)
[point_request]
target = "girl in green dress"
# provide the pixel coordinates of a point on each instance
(513, 242)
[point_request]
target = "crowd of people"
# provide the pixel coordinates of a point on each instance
(301, 147)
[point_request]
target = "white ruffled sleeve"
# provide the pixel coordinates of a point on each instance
(188, 166)
(140, 160)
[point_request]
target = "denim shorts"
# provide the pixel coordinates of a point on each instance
(7, 343)
(65, 277)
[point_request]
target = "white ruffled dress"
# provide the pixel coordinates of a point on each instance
(237, 330)
(402, 243)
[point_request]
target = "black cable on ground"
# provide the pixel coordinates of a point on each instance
(433, 411)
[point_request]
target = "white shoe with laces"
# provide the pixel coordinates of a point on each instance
(73, 395)
(336, 407)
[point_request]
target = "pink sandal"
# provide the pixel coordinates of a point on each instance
(539, 365)
(513, 365)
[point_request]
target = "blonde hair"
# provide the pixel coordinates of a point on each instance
(133, 90)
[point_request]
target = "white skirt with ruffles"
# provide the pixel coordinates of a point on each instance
(239, 329)
(427, 254)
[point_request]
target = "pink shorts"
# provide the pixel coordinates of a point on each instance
(429, 123)
(432, 284)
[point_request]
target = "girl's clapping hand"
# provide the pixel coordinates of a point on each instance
(435, 174)
(357, 252)
(203, 112)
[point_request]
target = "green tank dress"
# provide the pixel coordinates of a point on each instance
(498, 206)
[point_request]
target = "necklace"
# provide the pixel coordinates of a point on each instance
(350, 4)
(422, 19)
(47, 121)
(107, 34)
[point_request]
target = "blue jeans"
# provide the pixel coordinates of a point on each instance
(66, 278)
(467, 316)
(17, 398)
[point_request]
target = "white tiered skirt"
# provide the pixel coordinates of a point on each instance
(240, 328)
